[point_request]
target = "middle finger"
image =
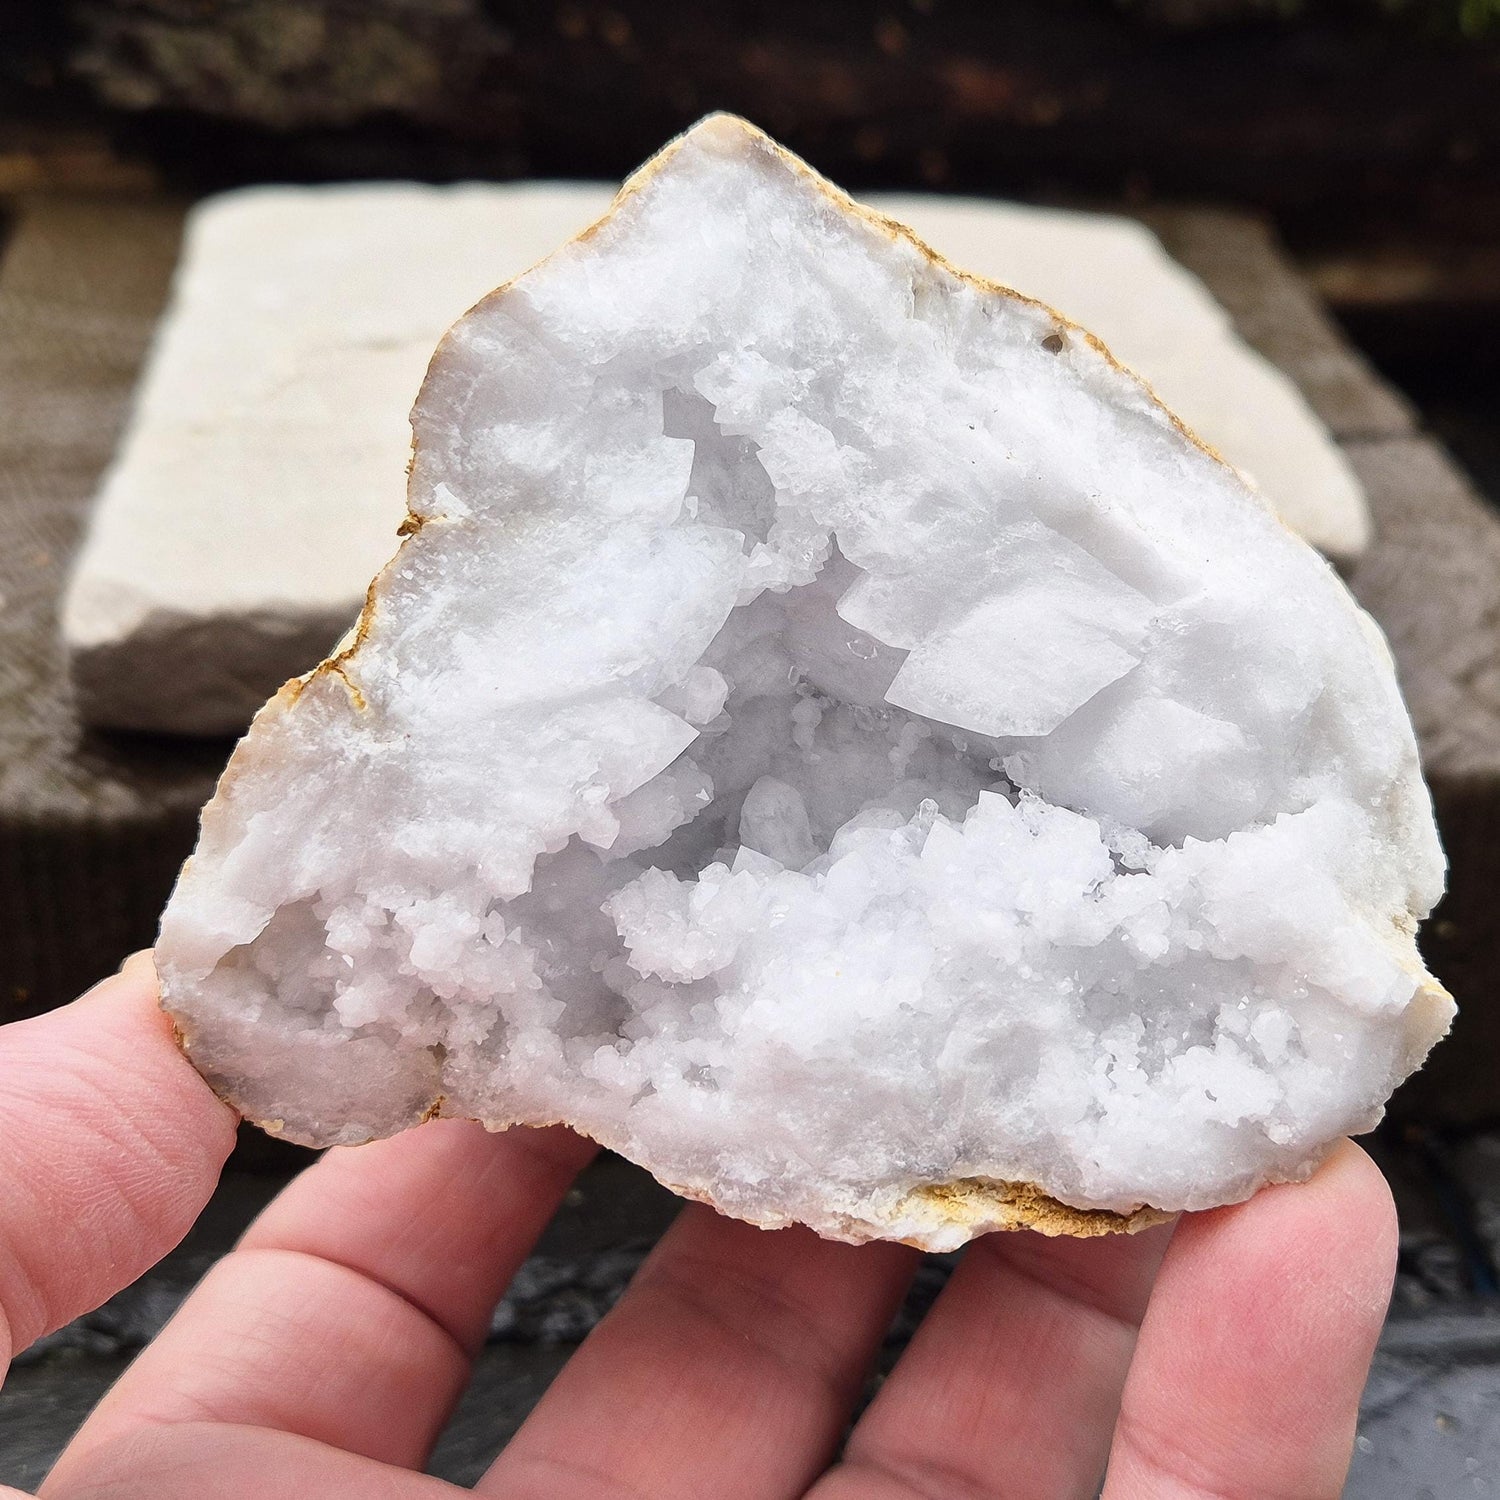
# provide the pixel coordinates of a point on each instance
(729, 1368)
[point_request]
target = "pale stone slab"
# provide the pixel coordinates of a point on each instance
(261, 479)
(260, 482)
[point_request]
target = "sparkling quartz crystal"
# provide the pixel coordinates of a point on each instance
(833, 737)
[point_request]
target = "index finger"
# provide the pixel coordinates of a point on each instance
(110, 1145)
(1011, 1384)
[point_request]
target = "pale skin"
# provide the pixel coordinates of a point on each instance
(1222, 1361)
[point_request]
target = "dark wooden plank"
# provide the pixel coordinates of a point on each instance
(1343, 113)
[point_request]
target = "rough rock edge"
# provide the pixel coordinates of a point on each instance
(935, 1216)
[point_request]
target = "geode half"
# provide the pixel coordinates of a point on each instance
(833, 737)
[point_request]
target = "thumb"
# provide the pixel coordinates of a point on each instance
(110, 1145)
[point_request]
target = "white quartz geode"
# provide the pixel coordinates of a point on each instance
(834, 738)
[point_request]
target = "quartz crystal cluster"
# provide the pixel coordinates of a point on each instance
(833, 737)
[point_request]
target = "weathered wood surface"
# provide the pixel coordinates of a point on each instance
(92, 828)
(1344, 110)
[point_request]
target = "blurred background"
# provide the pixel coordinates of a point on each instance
(1328, 169)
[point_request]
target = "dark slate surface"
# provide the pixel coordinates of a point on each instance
(1430, 1421)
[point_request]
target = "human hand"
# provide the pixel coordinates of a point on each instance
(322, 1357)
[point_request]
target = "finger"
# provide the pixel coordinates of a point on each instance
(1257, 1344)
(444, 1214)
(195, 1460)
(110, 1145)
(1011, 1385)
(350, 1311)
(728, 1369)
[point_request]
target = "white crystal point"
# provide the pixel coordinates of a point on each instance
(834, 738)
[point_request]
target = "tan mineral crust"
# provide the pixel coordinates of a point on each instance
(831, 735)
